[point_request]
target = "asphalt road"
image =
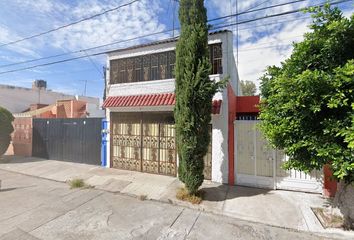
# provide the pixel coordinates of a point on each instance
(34, 208)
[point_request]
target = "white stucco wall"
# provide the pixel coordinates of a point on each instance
(18, 99)
(139, 88)
(219, 122)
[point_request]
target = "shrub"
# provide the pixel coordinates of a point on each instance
(6, 129)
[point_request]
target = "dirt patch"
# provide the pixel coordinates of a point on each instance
(328, 219)
(182, 194)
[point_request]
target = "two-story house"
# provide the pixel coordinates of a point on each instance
(140, 102)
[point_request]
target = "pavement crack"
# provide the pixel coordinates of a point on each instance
(108, 218)
(174, 221)
(196, 219)
(60, 215)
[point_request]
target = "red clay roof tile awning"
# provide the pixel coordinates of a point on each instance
(163, 99)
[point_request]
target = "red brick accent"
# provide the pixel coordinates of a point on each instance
(329, 184)
(247, 104)
(22, 137)
(232, 107)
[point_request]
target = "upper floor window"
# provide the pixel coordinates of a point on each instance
(155, 66)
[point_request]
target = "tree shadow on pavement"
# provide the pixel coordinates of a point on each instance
(225, 192)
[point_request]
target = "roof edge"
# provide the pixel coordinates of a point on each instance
(167, 40)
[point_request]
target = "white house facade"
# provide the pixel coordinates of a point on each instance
(140, 102)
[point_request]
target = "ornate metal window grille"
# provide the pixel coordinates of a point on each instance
(138, 69)
(155, 66)
(171, 64)
(122, 75)
(114, 71)
(216, 58)
(146, 67)
(163, 65)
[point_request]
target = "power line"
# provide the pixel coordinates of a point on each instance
(258, 9)
(131, 39)
(94, 64)
(101, 53)
(281, 14)
(69, 24)
(272, 46)
(274, 23)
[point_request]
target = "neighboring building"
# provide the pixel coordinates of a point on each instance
(19, 99)
(140, 102)
(70, 108)
(22, 137)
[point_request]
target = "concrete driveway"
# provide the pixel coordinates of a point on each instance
(34, 208)
(277, 208)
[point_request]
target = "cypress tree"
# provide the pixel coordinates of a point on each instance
(194, 93)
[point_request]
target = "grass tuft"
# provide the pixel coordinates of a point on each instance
(78, 183)
(142, 197)
(183, 194)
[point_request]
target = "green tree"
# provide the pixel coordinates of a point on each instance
(248, 88)
(6, 129)
(194, 93)
(307, 105)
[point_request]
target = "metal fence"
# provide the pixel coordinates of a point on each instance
(73, 139)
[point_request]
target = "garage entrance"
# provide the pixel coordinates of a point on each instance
(146, 142)
(68, 139)
(259, 165)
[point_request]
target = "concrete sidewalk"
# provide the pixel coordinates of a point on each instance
(277, 208)
(34, 208)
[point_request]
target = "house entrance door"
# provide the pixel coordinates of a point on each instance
(259, 165)
(254, 158)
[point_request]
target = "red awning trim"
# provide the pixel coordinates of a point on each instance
(150, 100)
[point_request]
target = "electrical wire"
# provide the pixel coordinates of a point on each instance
(101, 53)
(131, 39)
(69, 24)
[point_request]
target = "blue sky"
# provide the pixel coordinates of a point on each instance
(261, 43)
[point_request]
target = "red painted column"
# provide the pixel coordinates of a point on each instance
(329, 184)
(231, 134)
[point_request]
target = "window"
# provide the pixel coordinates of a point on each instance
(163, 65)
(216, 58)
(146, 67)
(156, 66)
(122, 75)
(138, 70)
(130, 68)
(114, 72)
(171, 64)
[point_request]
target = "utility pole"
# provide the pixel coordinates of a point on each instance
(236, 33)
(105, 82)
(173, 16)
(85, 85)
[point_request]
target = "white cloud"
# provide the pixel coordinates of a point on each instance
(38, 16)
(266, 42)
(135, 20)
(269, 50)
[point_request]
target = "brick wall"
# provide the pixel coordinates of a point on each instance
(21, 138)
